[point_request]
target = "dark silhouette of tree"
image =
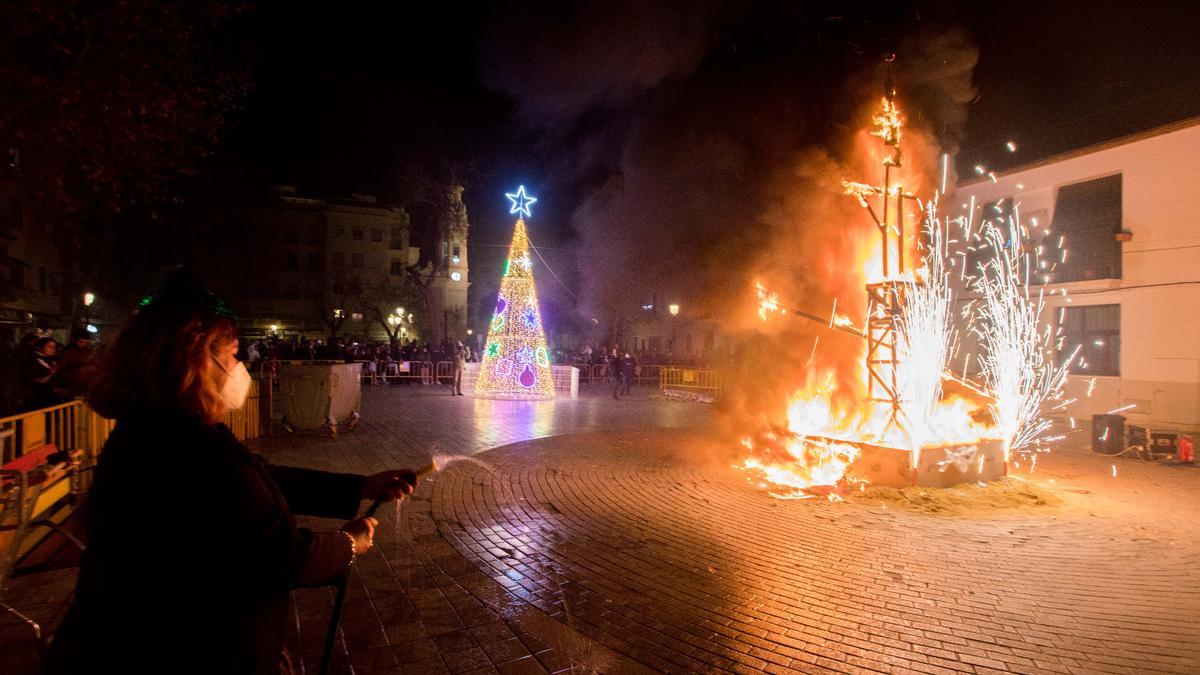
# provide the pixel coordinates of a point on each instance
(433, 188)
(104, 105)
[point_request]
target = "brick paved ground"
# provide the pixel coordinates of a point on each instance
(623, 547)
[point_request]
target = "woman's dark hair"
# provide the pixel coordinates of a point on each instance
(42, 342)
(164, 358)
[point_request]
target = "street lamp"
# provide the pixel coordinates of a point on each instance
(673, 308)
(400, 311)
(88, 299)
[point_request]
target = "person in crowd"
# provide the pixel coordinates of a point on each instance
(10, 381)
(192, 544)
(37, 375)
(253, 356)
(460, 364)
(628, 372)
(426, 371)
(616, 373)
(76, 365)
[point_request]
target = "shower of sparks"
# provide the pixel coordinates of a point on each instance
(1017, 360)
(1122, 409)
(926, 335)
(768, 302)
(888, 123)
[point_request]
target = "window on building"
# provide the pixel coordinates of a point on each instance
(397, 267)
(291, 262)
(1087, 216)
(356, 260)
(339, 259)
(337, 231)
(1096, 330)
(456, 255)
(314, 262)
(356, 234)
(445, 253)
(376, 234)
(397, 241)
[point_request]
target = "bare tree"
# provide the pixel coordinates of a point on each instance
(335, 297)
(435, 188)
(380, 298)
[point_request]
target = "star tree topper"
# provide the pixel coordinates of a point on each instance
(521, 202)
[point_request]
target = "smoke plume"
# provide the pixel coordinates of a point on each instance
(730, 161)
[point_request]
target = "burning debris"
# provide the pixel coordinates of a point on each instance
(901, 428)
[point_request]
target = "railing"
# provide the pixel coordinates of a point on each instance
(602, 373)
(74, 425)
(384, 371)
(690, 380)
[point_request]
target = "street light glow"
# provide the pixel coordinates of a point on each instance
(674, 309)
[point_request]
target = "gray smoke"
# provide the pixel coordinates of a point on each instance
(728, 169)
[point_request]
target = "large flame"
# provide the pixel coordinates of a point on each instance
(828, 415)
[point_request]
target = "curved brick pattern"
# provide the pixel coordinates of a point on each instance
(682, 566)
(632, 550)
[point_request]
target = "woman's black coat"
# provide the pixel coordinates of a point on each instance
(192, 551)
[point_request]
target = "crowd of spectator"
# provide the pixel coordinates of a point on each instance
(375, 355)
(38, 372)
(609, 354)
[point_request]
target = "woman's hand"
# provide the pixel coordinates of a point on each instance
(389, 485)
(363, 531)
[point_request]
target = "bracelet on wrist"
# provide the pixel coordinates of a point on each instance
(353, 547)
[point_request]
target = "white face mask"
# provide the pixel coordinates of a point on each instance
(237, 385)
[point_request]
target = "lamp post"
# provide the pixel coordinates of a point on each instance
(673, 308)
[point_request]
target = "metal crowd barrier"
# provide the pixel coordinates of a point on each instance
(689, 380)
(425, 372)
(74, 425)
(602, 373)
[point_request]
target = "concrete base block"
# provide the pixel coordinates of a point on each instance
(937, 466)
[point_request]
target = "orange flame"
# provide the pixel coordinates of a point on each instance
(824, 422)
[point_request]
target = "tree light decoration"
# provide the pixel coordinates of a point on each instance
(516, 363)
(520, 204)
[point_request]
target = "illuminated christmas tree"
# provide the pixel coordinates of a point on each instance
(516, 363)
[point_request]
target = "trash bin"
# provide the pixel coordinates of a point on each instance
(1108, 434)
(320, 395)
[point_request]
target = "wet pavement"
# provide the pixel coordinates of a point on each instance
(596, 535)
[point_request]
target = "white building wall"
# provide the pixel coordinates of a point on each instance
(1159, 292)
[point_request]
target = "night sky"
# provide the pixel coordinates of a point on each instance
(569, 97)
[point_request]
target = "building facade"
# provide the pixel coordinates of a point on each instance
(1125, 213)
(314, 266)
